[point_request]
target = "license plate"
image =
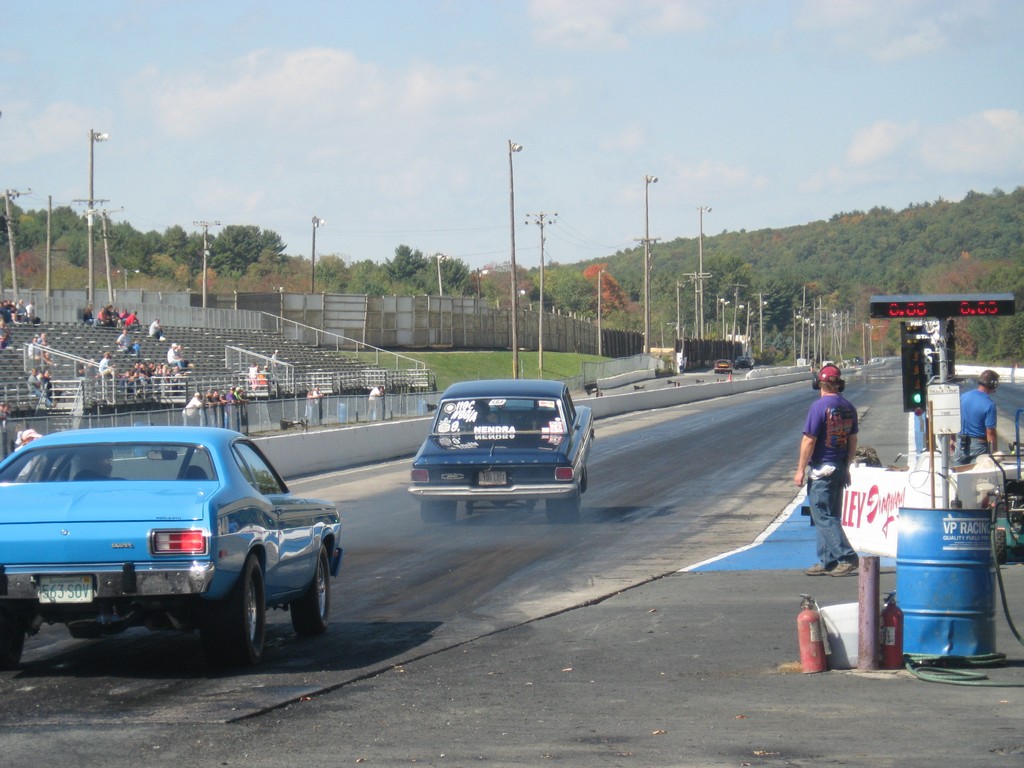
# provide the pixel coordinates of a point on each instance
(492, 477)
(65, 589)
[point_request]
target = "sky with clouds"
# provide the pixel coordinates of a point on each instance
(391, 119)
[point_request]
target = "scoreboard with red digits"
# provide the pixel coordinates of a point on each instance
(941, 306)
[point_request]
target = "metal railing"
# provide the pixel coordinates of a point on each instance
(317, 337)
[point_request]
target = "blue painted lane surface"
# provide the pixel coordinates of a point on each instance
(788, 544)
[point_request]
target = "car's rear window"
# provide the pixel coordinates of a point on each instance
(499, 418)
(124, 461)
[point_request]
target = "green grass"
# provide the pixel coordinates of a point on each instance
(452, 367)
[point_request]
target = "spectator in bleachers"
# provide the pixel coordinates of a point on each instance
(87, 316)
(7, 311)
(214, 408)
(30, 313)
(124, 342)
(106, 317)
(106, 367)
(47, 386)
(314, 405)
(254, 375)
(20, 317)
(242, 409)
(176, 358)
(376, 402)
(5, 335)
(25, 436)
(5, 412)
(130, 318)
(192, 414)
(156, 331)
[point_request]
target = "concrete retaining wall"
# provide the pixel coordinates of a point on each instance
(299, 454)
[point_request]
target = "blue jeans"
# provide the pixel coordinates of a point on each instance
(969, 449)
(825, 497)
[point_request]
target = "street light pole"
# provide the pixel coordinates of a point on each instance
(648, 180)
(94, 136)
(701, 210)
(540, 219)
(440, 257)
(206, 250)
(317, 222)
(513, 147)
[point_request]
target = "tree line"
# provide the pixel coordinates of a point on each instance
(760, 279)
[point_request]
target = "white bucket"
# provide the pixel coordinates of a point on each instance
(842, 623)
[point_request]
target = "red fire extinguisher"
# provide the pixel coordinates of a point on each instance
(811, 634)
(892, 634)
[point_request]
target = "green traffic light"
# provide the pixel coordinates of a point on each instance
(917, 398)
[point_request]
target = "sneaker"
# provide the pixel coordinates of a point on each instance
(819, 569)
(844, 568)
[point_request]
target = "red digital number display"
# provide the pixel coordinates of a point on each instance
(942, 306)
(972, 308)
(908, 309)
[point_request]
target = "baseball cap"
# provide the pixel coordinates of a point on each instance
(830, 373)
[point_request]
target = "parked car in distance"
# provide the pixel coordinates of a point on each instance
(743, 361)
(723, 366)
(164, 527)
(504, 442)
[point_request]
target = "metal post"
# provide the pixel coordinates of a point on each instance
(513, 147)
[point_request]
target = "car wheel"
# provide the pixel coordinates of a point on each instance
(12, 640)
(562, 511)
(310, 612)
(233, 629)
(434, 511)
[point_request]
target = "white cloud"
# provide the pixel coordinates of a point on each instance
(986, 142)
(891, 31)
(878, 141)
(612, 24)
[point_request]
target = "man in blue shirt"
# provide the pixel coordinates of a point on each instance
(827, 449)
(978, 419)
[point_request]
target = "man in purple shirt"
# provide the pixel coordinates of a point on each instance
(827, 449)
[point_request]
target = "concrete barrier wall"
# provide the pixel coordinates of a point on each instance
(296, 454)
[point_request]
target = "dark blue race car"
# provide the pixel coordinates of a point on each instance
(504, 442)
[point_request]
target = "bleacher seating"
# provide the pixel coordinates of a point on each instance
(204, 348)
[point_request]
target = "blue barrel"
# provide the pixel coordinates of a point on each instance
(945, 582)
(342, 411)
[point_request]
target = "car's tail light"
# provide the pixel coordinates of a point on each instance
(420, 476)
(179, 542)
(563, 473)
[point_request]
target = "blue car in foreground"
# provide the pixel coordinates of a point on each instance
(164, 527)
(504, 442)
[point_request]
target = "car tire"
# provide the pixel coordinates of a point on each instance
(234, 629)
(311, 611)
(563, 511)
(12, 640)
(434, 511)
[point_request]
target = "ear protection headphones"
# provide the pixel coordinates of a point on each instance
(830, 374)
(989, 379)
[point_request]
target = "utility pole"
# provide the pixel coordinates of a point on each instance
(540, 219)
(701, 274)
(600, 290)
(9, 195)
(648, 180)
(317, 222)
(94, 136)
(206, 249)
(513, 147)
(104, 218)
(49, 242)
(735, 306)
